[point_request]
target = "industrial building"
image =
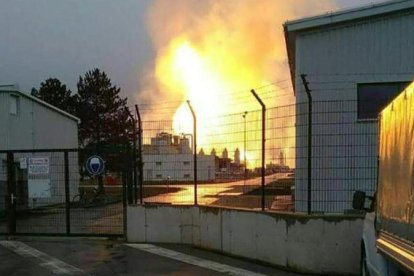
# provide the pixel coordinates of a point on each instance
(29, 124)
(170, 158)
(355, 62)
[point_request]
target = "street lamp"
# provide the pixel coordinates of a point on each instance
(244, 150)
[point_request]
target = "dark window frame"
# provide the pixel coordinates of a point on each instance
(364, 117)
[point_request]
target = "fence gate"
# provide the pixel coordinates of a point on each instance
(65, 192)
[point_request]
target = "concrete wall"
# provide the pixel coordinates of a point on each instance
(329, 244)
(336, 59)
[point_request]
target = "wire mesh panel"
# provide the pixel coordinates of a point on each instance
(168, 170)
(344, 156)
(339, 154)
(280, 160)
(52, 192)
(3, 193)
(39, 192)
(97, 199)
(234, 141)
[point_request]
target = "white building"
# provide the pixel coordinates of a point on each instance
(27, 123)
(355, 61)
(170, 158)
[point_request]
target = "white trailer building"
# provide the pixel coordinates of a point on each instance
(29, 124)
(355, 62)
(170, 158)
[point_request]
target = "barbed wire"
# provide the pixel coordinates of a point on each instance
(226, 94)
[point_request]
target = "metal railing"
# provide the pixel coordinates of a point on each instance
(306, 169)
(50, 192)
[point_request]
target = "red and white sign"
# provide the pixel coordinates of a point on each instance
(38, 165)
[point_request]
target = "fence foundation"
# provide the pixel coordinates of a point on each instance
(298, 242)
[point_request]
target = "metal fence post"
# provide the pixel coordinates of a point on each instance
(134, 161)
(11, 188)
(244, 150)
(140, 161)
(263, 146)
(67, 191)
(195, 150)
(124, 175)
(308, 93)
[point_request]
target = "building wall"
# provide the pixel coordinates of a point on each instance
(179, 167)
(38, 127)
(335, 60)
(35, 127)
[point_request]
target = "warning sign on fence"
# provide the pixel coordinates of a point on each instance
(38, 165)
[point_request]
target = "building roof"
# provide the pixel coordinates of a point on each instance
(14, 90)
(291, 28)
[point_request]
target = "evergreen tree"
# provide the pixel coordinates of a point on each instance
(103, 113)
(55, 93)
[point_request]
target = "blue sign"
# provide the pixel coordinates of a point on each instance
(95, 165)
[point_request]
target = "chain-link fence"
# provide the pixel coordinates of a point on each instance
(291, 173)
(66, 191)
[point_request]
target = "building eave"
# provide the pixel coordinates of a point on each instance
(291, 28)
(290, 43)
(349, 15)
(39, 101)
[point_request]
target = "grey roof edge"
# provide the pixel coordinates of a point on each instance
(11, 89)
(292, 27)
(291, 52)
(348, 15)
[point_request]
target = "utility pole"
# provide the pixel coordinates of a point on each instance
(308, 93)
(195, 151)
(263, 145)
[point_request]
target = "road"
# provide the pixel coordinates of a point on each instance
(208, 193)
(80, 256)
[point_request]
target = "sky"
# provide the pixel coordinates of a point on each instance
(66, 38)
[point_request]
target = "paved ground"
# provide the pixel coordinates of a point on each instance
(82, 256)
(106, 219)
(209, 193)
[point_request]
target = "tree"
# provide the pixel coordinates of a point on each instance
(55, 93)
(103, 113)
(105, 127)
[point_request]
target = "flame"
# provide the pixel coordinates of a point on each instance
(201, 83)
(207, 50)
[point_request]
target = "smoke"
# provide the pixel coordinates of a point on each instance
(241, 39)
(207, 50)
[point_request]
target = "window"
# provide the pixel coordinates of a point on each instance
(14, 104)
(373, 97)
(158, 176)
(186, 175)
(158, 163)
(186, 163)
